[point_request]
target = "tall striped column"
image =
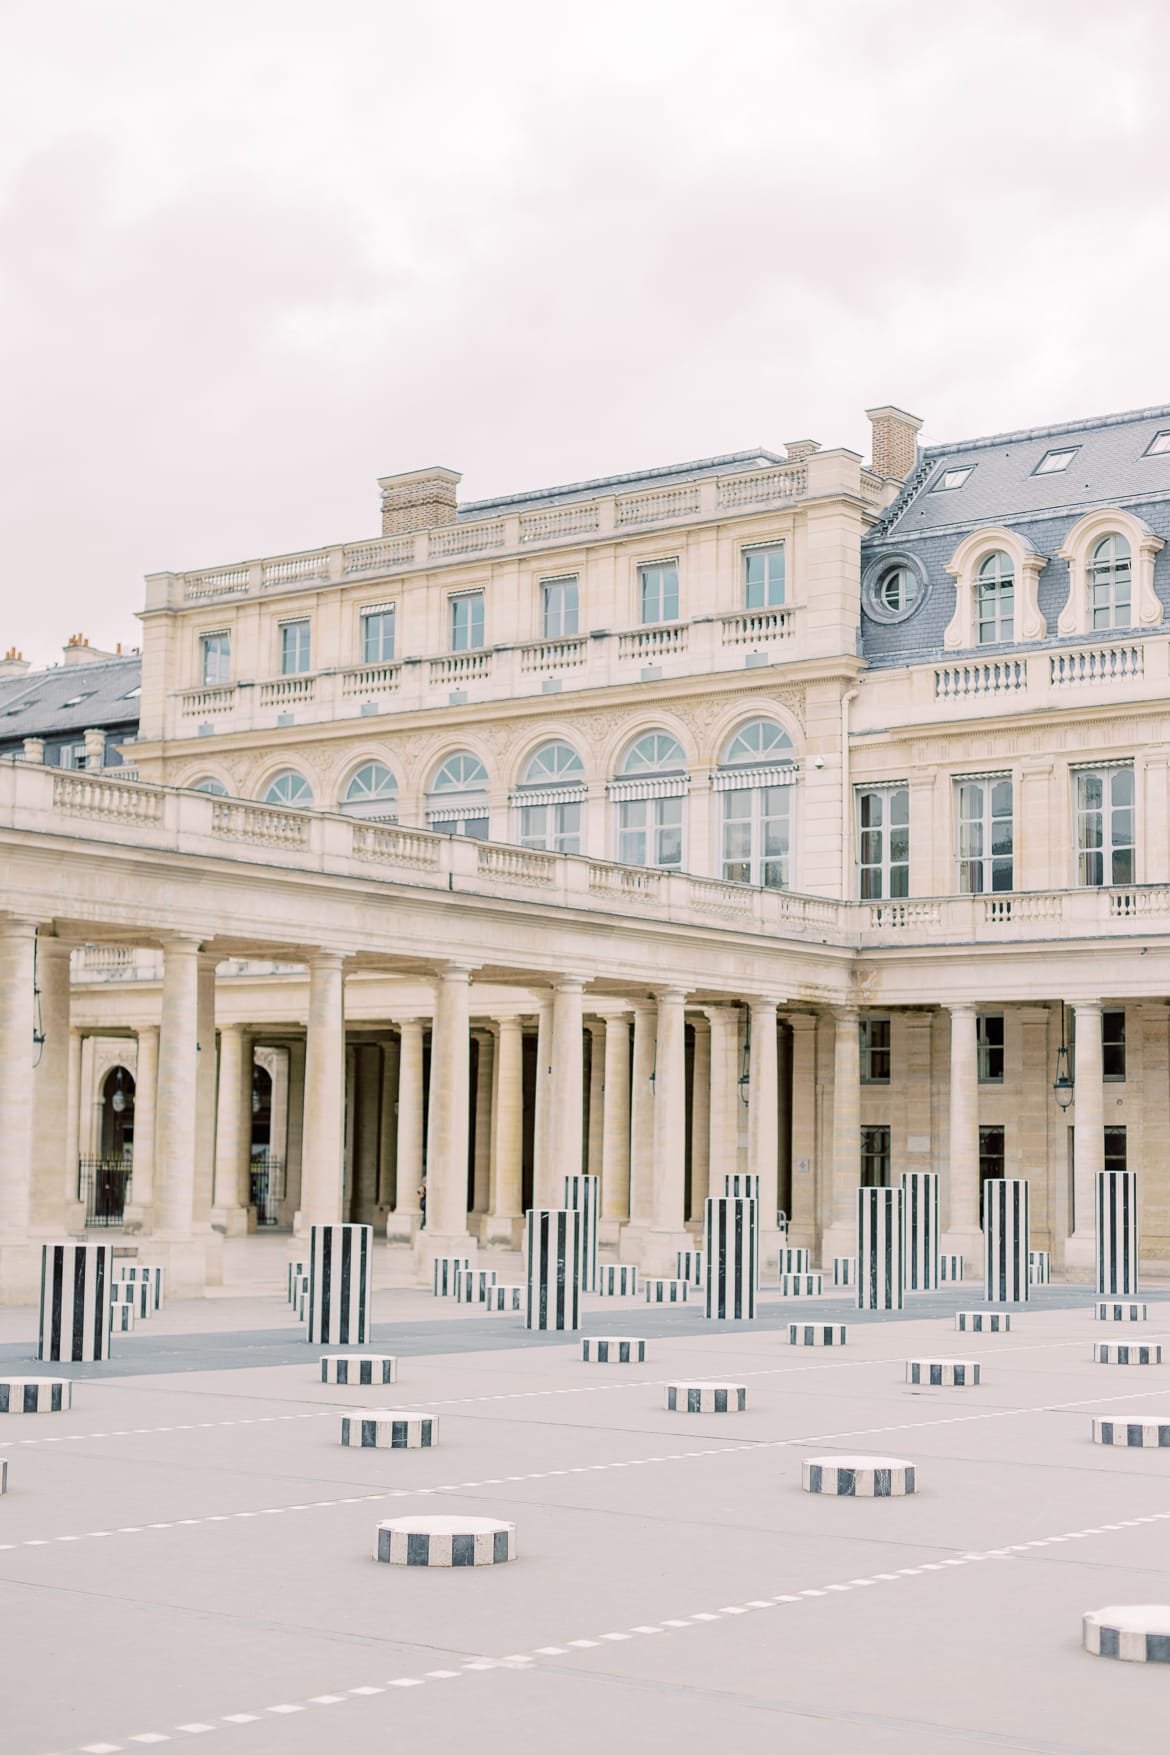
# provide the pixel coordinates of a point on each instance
(341, 1284)
(880, 1265)
(583, 1194)
(75, 1301)
(732, 1248)
(742, 1187)
(1117, 1233)
(553, 1242)
(920, 1219)
(1005, 1239)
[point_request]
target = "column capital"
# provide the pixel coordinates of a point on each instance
(759, 1002)
(54, 947)
(959, 1008)
(844, 1014)
(1085, 1005)
(800, 1020)
(569, 984)
(19, 925)
(324, 959)
(671, 995)
(455, 971)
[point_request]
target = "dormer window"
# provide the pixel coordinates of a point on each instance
(951, 479)
(1054, 462)
(1159, 445)
(898, 590)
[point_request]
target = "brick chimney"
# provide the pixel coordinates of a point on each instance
(13, 663)
(419, 500)
(796, 450)
(895, 442)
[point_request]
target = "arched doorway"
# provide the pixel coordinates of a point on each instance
(105, 1179)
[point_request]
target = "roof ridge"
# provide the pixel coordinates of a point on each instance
(757, 455)
(1018, 435)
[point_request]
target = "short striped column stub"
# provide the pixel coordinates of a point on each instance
(1132, 1431)
(950, 1267)
(125, 1292)
(583, 1194)
(612, 1350)
(689, 1267)
(301, 1301)
(504, 1298)
(1039, 1267)
(1116, 1209)
(880, 1244)
(553, 1259)
(296, 1272)
(943, 1373)
(35, 1395)
(1137, 1633)
(75, 1301)
(152, 1273)
(471, 1284)
(122, 1318)
(983, 1322)
(706, 1398)
(741, 1187)
(617, 1279)
(3, 1474)
(445, 1541)
(660, 1291)
(801, 1285)
(794, 1261)
(341, 1285)
(138, 1294)
(1127, 1353)
(389, 1429)
(920, 1220)
(845, 1270)
(816, 1334)
(359, 1369)
(858, 1477)
(1005, 1239)
(731, 1244)
(445, 1268)
(1116, 1310)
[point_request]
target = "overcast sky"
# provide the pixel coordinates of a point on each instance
(256, 253)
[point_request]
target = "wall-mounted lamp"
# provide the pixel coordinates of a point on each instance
(745, 1065)
(1062, 1085)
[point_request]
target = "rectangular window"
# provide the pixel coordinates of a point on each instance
(763, 577)
(1113, 1046)
(1159, 445)
(989, 1038)
(554, 827)
(72, 755)
(883, 842)
(757, 836)
(217, 659)
(560, 608)
(1105, 826)
(875, 1157)
(1053, 462)
(949, 479)
(985, 833)
(294, 648)
(378, 635)
(650, 832)
(1116, 1156)
(467, 622)
(874, 1043)
(992, 1161)
(659, 592)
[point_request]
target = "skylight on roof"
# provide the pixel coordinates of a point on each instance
(1159, 445)
(1053, 462)
(132, 694)
(951, 478)
(76, 700)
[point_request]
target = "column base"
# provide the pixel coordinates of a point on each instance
(1080, 1258)
(609, 1234)
(73, 1218)
(771, 1241)
(402, 1228)
(968, 1244)
(502, 1231)
(233, 1221)
(192, 1263)
(660, 1251)
(838, 1239)
(428, 1244)
(135, 1219)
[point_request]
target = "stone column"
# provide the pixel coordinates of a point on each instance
(294, 1151)
(482, 1143)
(594, 1147)
(615, 1135)
(17, 944)
(74, 1210)
(323, 1146)
(205, 1090)
(505, 1216)
(367, 1132)
(725, 1105)
(841, 1235)
(388, 1129)
(1088, 1137)
(802, 1220)
(1032, 1105)
(563, 1142)
(962, 1234)
(544, 1192)
(700, 1116)
(175, 1133)
(763, 1115)
(140, 1212)
(669, 1233)
(641, 1128)
(403, 1222)
(50, 1088)
(233, 1127)
(446, 1227)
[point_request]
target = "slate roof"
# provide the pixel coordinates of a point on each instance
(670, 475)
(37, 703)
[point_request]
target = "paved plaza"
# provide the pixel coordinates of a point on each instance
(187, 1553)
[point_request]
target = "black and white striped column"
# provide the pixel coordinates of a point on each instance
(1107, 1310)
(35, 1395)
(445, 1268)
(445, 1541)
(341, 1284)
(880, 1275)
(359, 1369)
(950, 1267)
(613, 1350)
(75, 1301)
(920, 1218)
(122, 1319)
(553, 1239)
(662, 1291)
(583, 1194)
(1136, 1431)
(472, 1283)
(983, 1322)
(795, 1261)
(732, 1244)
(706, 1398)
(1117, 1233)
(504, 1298)
(155, 1278)
(1005, 1239)
(1127, 1353)
(858, 1477)
(389, 1429)
(690, 1267)
(943, 1373)
(845, 1270)
(617, 1279)
(296, 1272)
(1040, 1267)
(816, 1334)
(741, 1187)
(1137, 1633)
(801, 1285)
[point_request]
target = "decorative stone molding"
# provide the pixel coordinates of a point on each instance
(1076, 617)
(1027, 566)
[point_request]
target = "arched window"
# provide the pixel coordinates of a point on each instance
(995, 601)
(372, 793)
(756, 781)
(897, 590)
(210, 784)
(550, 799)
(650, 792)
(291, 789)
(457, 802)
(1110, 584)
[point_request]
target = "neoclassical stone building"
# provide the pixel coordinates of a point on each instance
(774, 812)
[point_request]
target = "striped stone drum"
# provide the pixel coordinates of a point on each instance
(296, 1272)
(1127, 1353)
(359, 1369)
(1132, 1431)
(471, 1284)
(816, 1334)
(801, 1285)
(1005, 1239)
(920, 1220)
(583, 1193)
(1039, 1267)
(665, 1291)
(612, 1350)
(389, 1429)
(845, 1270)
(137, 1294)
(742, 1187)
(983, 1322)
(731, 1243)
(950, 1267)
(1137, 1633)
(617, 1279)
(35, 1395)
(445, 1541)
(123, 1292)
(706, 1398)
(943, 1373)
(75, 1301)
(122, 1319)
(858, 1477)
(1116, 1208)
(445, 1268)
(553, 1244)
(301, 1304)
(498, 1298)
(795, 1261)
(341, 1284)
(880, 1243)
(1113, 1310)
(154, 1276)
(690, 1266)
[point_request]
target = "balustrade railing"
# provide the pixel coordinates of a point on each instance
(94, 795)
(461, 667)
(1096, 664)
(756, 627)
(207, 702)
(465, 539)
(288, 691)
(235, 819)
(371, 679)
(566, 654)
(654, 642)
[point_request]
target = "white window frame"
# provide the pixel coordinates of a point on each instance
(646, 826)
(1146, 609)
(477, 623)
(381, 613)
(216, 675)
(993, 588)
(1027, 565)
(1113, 847)
(986, 861)
(298, 625)
(883, 865)
(1110, 606)
(663, 600)
(774, 590)
(568, 585)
